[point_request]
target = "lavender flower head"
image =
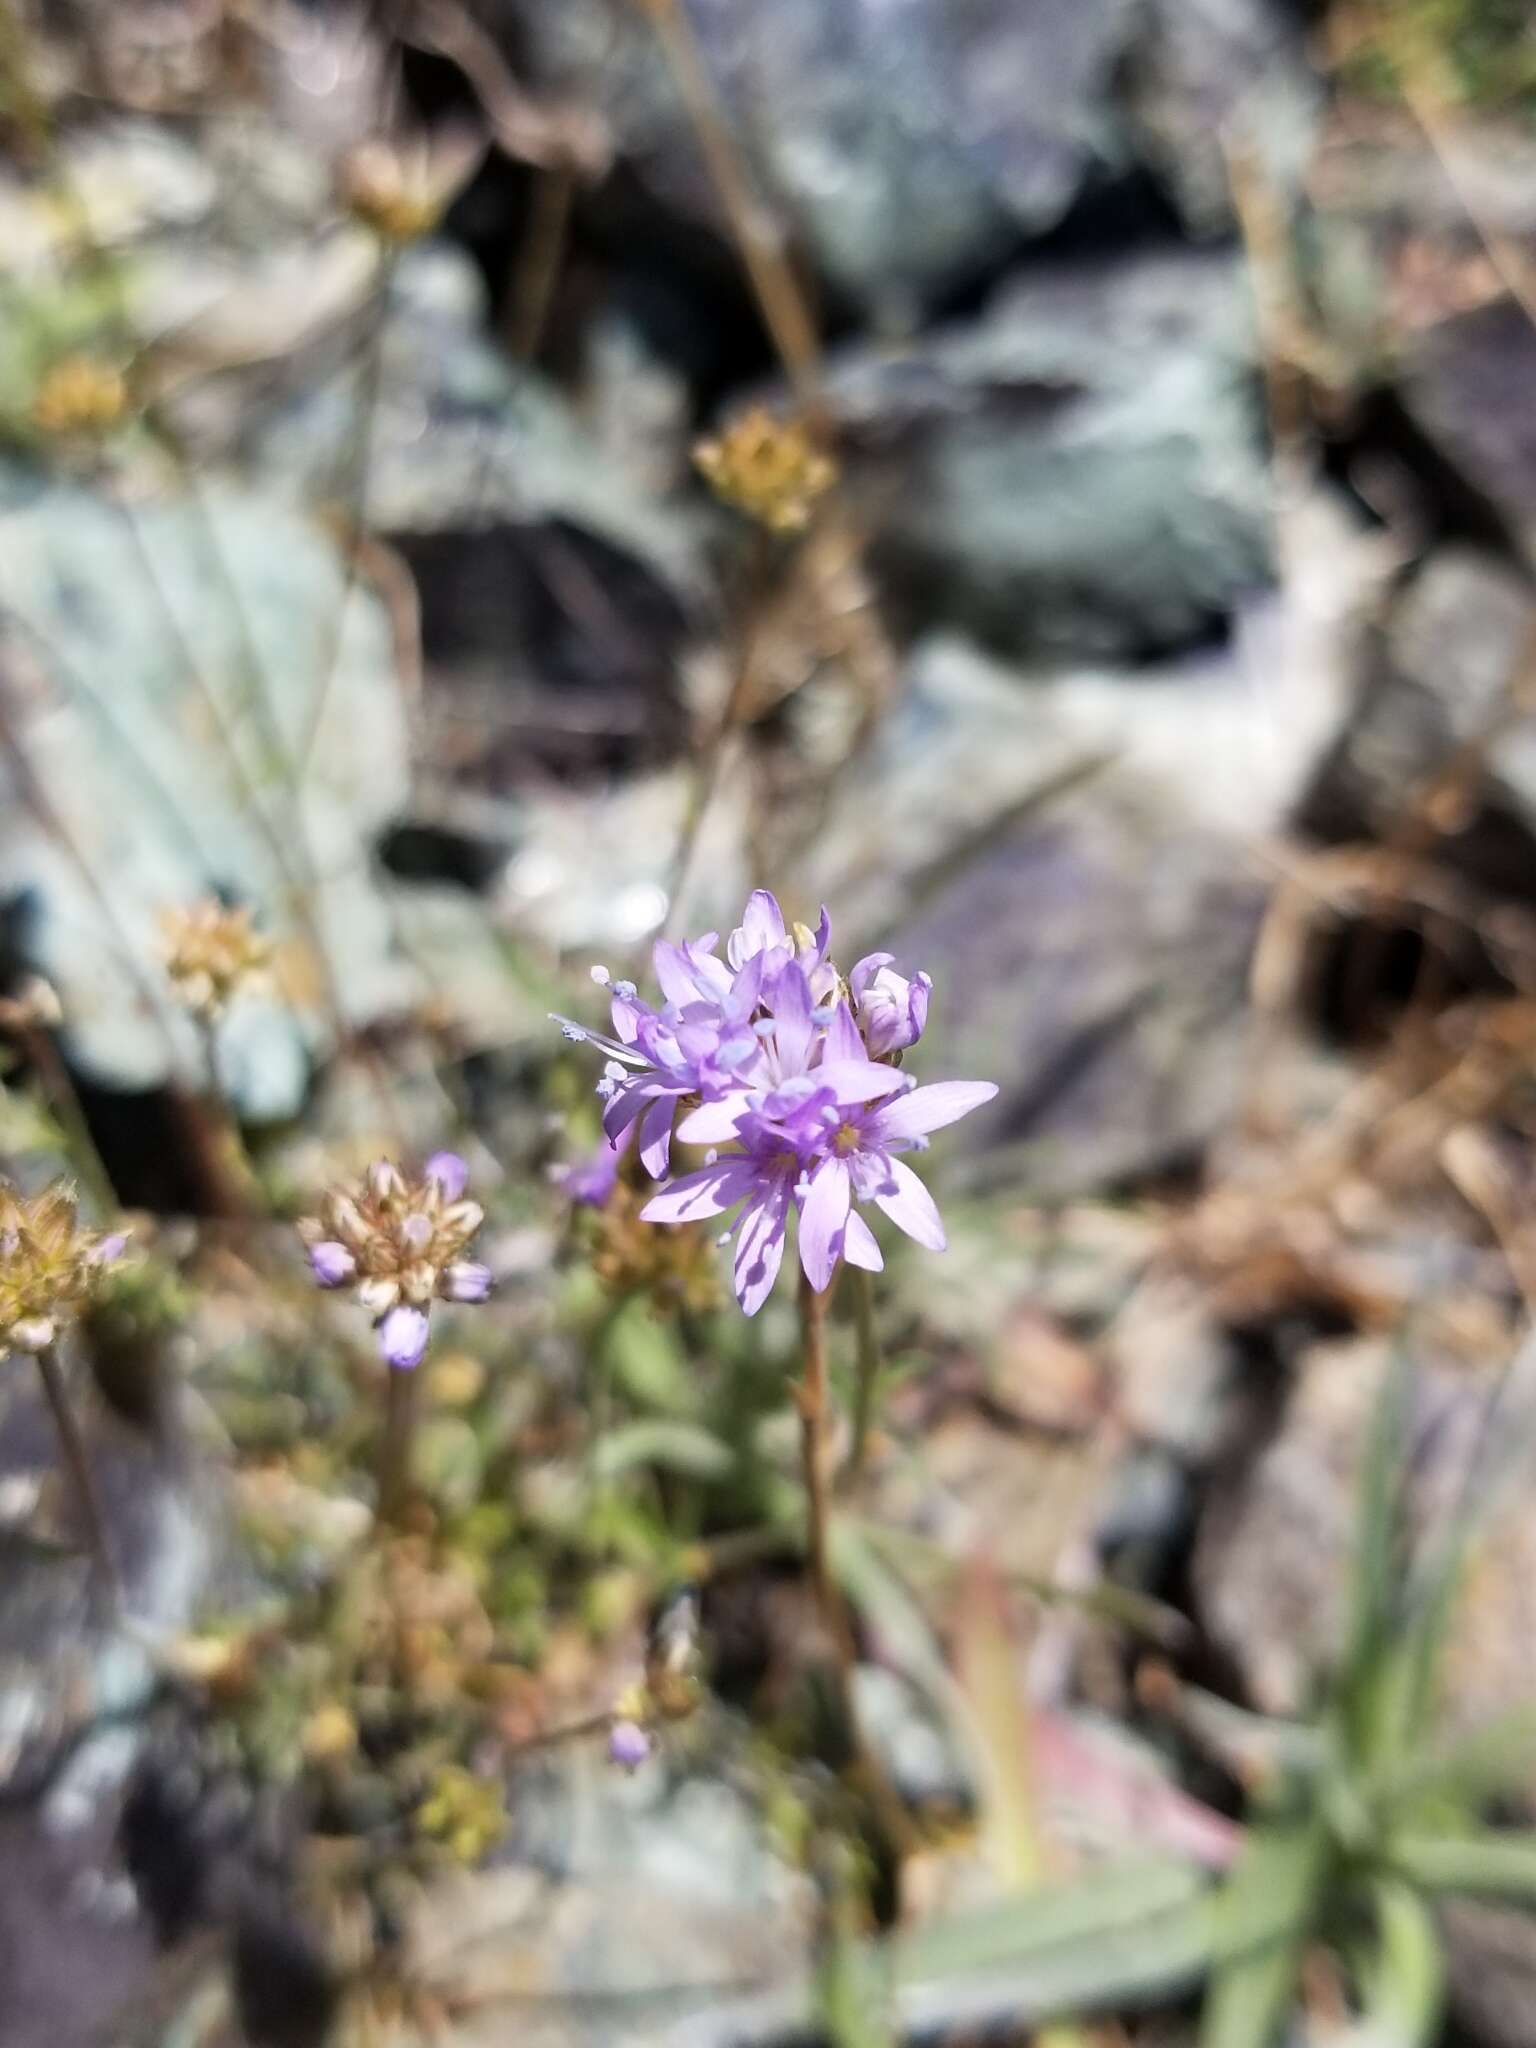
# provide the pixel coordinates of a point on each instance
(787, 1072)
(628, 1745)
(398, 1244)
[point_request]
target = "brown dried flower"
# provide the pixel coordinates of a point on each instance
(676, 1266)
(49, 1266)
(769, 468)
(212, 954)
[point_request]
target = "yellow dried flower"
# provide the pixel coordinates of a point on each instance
(392, 190)
(212, 954)
(80, 394)
(49, 1266)
(769, 468)
(330, 1734)
(463, 1812)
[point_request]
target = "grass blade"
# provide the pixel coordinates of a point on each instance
(1264, 1916)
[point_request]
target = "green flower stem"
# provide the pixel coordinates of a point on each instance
(814, 1447)
(63, 1100)
(402, 1401)
(231, 1176)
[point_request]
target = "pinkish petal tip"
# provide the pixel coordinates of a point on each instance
(450, 1173)
(467, 1281)
(331, 1263)
(403, 1338)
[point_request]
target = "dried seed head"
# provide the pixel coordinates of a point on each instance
(49, 1266)
(398, 1243)
(675, 1265)
(212, 954)
(392, 190)
(769, 468)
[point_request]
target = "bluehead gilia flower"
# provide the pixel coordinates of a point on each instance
(785, 1071)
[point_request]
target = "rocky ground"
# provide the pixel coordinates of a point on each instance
(1158, 675)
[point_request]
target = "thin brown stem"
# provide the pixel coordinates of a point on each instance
(870, 1367)
(538, 262)
(759, 238)
(706, 773)
(397, 1445)
(866, 1771)
(63, 1100)
(77, 1464)
(233, 1177)
(815, 1463)
(356, 494)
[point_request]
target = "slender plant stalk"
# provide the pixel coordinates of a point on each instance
(355, 512)
(706, 774)
(870, 1367)
(402, 1400)
(815, 1417)
(63, 1100)
(538, 262)
(82, 1479)
(239, 1190)
(866, 1771)
(761, 245)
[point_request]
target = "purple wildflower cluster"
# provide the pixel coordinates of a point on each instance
(785, 1070)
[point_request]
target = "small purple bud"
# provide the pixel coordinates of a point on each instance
(628, 1744)
(403, 1337)
(467, 1281)
(417, 1232)
(331, 1263)
(109, 1248)
(450, 1173)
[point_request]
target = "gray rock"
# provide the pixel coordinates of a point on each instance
(908, 144)
(457, 433)
(619, 1906)
(1440, 676)
(1080, 472)
(553, 592)
(1465, 383)
(1203, 76)
(67, 1667)
(1098, 972)
(153, 768)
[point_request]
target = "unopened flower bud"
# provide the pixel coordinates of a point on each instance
(331, 1263)
(628, 1744)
